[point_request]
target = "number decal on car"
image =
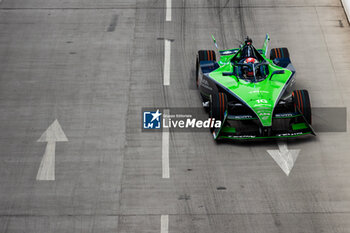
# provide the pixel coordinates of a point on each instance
(262, 101)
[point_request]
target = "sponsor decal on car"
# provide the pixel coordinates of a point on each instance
(242, 136)
(289, 134)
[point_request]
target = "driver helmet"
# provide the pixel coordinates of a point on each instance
(248, 72)
(251, 60)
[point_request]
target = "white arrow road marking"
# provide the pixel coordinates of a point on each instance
(167, 53)
(168, 10)
(284, 158)
(164, 224)
(52, 135)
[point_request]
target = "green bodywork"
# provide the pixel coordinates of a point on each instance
(261, 96)
(261, 92)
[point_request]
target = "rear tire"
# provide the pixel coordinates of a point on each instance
(217, 106)
(279, 53)
(302, 103)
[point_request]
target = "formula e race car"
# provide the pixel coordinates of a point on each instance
(252, 95)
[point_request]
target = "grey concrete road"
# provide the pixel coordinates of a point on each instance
(93, 65)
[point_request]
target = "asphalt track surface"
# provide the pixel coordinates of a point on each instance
(93, 65)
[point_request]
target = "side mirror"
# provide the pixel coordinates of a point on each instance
(277, 72)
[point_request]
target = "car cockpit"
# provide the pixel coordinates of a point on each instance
(248, 64)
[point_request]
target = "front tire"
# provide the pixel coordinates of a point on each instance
(217, 107)
(302, 103)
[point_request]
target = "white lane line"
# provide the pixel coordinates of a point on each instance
(52, 135)
(165, 150)
(168, 10)
(164, 224)
(167, 54)
(284, 157)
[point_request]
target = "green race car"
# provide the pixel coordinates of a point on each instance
(252, 95)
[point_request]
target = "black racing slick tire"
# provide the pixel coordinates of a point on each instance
(203, 55)
(197, 72)
(302, 103)
(217, 106)
(279, 53)
(206, 55)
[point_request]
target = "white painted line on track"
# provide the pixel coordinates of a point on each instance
(165, 150)
(167, 54)
(168, 10)
(284, 157)
(164, 224)
(52, 135)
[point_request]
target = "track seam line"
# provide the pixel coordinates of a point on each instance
(135, 215)
(157, 8)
